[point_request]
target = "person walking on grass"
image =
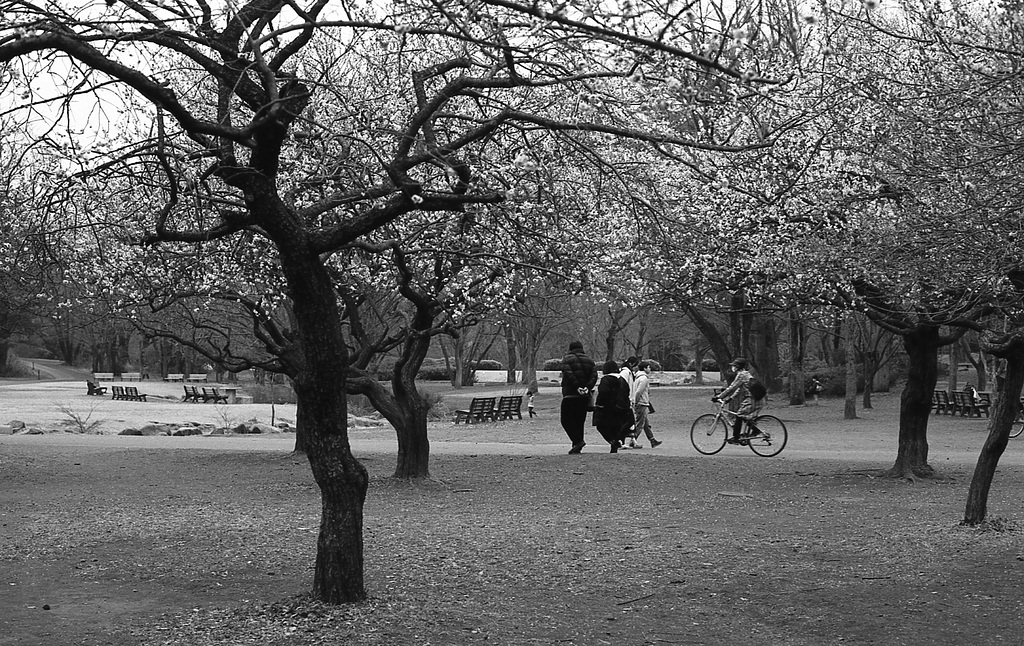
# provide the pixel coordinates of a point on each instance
(642, 404)
(612, 409)
(579, 378)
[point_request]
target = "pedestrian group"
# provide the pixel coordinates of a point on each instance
(620, 399)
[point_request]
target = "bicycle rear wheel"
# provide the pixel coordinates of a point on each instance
(770, 437)
(1018, 426)
(708, 434)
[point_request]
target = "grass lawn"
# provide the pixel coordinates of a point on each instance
(125, 545)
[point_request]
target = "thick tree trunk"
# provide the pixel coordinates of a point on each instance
(343, 481)
(922, 346)
(764, 350)
(870, 367)
(528, 333)
(301, 432)
(511, 356)
(1004, 412)
(797, 344)
(407, 412)
(319, 370)
(413, 450)
(954, 367)
(719, 344)
(850, 401)
(880, 382)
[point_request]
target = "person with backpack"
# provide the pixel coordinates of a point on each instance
(612, 410)
(751, 392)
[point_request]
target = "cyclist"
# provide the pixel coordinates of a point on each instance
(749, 406)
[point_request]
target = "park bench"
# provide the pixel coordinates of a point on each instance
(941, 403)
(967, 406)
(192, 394)
(509, 406)
(103, 376)
(196, 376)
(212, 394)
(127, 393)
(481, 409)
(175, 376)
(131, 376)
(94, 389)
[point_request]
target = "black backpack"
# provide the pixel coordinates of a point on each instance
(756, 388)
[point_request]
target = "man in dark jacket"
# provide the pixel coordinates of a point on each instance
(579, 377)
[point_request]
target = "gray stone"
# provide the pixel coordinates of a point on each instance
(16, 424)
(130, 431)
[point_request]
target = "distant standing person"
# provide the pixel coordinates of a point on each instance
(613, 410)
(814, 389)
(642, 403)
(579, 377)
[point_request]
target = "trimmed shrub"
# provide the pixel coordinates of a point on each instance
(707, 365)
(552, 364)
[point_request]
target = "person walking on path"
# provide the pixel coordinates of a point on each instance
(579, 377)
(628, 375)
(612, 410)
(530, 394)
(642, 403)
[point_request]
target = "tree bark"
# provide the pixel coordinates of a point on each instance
(719, 344)
(954, 367)
(1005, 410)
(922, 345)
(319, 365)
(797, 346)
(870, 368)
(850, 400)
(343, 481)
(301, 434)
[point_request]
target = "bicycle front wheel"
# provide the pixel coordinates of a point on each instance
(708, 434)
(768, 436)
(1018, 426)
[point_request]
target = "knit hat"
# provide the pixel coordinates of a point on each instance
(610, 367)
(575, 345)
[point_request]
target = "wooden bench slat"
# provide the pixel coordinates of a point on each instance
(481, 409)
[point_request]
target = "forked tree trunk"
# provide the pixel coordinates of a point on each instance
(1005, 410)
(406, 411)
(922, 346)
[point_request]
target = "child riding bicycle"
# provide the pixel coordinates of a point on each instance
(750, 404)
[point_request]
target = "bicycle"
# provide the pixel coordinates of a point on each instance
(1018, 425)
(765, 434)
